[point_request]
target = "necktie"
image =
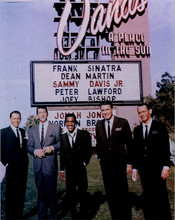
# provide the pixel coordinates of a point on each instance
(146, 131)
(146, 142)
(18, 138)
(42, 134)
(109, 133)
(73, 143)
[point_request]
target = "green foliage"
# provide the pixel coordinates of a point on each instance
(163, 104)
(31, 121)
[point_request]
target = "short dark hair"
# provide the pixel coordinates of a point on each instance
(70, 115)
(106, 102)
(16, 112)
(146, 104)
(43, 107)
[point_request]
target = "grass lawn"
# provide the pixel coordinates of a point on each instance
(97, 200)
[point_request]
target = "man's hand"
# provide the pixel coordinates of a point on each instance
(62, 176)
(129, 168)
(39, 153)
(47, 150)
(165, 173)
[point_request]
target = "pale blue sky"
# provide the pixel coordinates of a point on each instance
(27, 30)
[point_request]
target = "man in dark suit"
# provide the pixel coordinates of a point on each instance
(152, 159)
(14, 157)
(43, 144)
(75, 155)
(114, 140)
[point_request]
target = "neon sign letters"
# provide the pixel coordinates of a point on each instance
(116, 12)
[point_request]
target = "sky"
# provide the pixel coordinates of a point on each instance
(27, 30)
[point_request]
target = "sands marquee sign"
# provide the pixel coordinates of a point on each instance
(116, 12)
(85, 83)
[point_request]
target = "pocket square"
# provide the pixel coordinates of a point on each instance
(118, 129)
(155, 132)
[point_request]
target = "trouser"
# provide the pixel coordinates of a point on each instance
(155, 195)
(16, 181)
(76, 185)
(46, 184)
(116, 187)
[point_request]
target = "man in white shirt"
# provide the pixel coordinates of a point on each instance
(114, 140)
(14, 157)
(75, 155)
(151, 156)
(43, 144)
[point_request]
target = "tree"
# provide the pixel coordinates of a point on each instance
(31, 121)
(163, 104)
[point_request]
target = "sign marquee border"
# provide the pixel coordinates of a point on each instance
(48, 103)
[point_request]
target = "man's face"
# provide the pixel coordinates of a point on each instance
(144, 113)
(15, 120)
(70, 124)
(106, 111)
(42, 115)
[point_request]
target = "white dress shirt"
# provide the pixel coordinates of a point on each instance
(20, 136)
(72, 135)
(110, 124)
(46, 123)
(144, 127)
(45, 128)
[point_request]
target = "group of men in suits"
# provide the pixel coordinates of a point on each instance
(43, 143)
(148, 153)
(117, 152)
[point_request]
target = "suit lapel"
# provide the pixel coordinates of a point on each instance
(12, 132)
(48, 132)
(152, 128)
(67, 141)
(104, 130)
(22, 133)
(114, 126)
(22, 136)
(13, 136)
(77, 136)
(37, 134)
(141, 131)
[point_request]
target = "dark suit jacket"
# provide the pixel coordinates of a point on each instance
(119, 147)
(47, 164)
(11, 154)
(82, 152)
(158, 153)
